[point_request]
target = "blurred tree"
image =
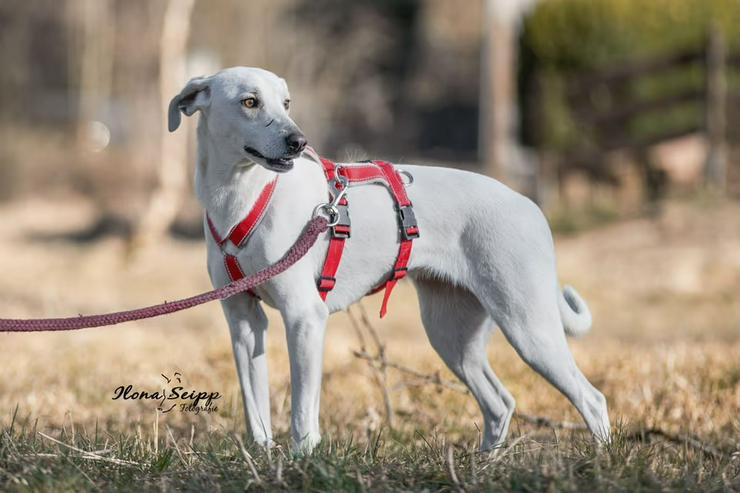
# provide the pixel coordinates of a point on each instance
(397, 79)
(169, 195)
(96, 64)
(498, 142)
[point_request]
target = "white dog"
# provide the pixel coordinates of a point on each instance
(485, 256)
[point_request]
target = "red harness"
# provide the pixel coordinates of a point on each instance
(339, 177)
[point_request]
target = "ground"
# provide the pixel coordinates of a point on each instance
(665, 350)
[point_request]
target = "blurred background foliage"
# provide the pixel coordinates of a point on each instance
(393, 78)
(587, 34)
(564, 38)
(405, 80)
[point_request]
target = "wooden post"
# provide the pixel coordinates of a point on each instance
(498, 91)
(716, 116)
(546, 183)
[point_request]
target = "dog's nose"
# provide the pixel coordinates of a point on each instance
(296, 142)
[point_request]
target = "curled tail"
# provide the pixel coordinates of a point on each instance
(574, 312)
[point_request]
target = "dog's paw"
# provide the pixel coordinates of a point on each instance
(307, 444)
(264, 441)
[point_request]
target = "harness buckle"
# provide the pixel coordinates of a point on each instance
(398, 273)
(407, 221)
(343, 227)
(326, 284)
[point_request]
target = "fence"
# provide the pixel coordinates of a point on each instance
(607, 112)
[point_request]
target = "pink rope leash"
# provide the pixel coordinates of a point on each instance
(303, 244)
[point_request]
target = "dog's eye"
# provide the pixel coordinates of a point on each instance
(286, 104)
(250, 102)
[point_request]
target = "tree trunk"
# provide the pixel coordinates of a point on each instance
(169, 195)
(498, 91)
(96, 64)
(716, 118)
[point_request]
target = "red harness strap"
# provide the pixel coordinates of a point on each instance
(241, 231)
(407, 226)
(339, 233)
(338, 177)
(357, 174)
(239, 234)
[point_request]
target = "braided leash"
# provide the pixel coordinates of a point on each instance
(303, 244)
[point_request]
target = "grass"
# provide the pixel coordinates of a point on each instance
(665, 350)
(82, 461)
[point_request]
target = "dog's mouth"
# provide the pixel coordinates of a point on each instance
(280, 165)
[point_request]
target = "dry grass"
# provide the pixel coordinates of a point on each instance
(665, 350)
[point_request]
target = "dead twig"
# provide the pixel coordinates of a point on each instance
(370, 327)
(90, 455)
(380, 370)
(500, 453)
(177, 448)
(357, 328)
(247, 459)
(679, 439)
(451, 470)
(434, 379)
(543, 422)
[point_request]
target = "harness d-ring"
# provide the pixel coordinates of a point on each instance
(330, 210)
(408, 175)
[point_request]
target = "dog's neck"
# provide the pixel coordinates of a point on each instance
(226, 190)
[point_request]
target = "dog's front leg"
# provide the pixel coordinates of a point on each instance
(305, 325)
(248, 326)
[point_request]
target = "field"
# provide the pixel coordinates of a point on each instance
(665, 350)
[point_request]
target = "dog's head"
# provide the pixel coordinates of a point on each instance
(245, 111)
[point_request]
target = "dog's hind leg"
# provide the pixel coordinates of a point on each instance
(527, 312)
(248, 324)
(458, 328)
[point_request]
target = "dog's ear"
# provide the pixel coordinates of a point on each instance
(194, 97)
